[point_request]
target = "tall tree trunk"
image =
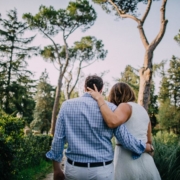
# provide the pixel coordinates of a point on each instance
(63, 69)
(145, 74)
(146, 70)
(56, 104)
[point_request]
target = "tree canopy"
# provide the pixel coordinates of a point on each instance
(16, 83)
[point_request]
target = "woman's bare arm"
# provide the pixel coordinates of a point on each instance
(112, 119)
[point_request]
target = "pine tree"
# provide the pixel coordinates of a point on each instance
(169, 97)
(131, 77)
(44, 103)
(51, 22)
(16, 83)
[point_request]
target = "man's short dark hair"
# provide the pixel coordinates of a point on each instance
(94, 79)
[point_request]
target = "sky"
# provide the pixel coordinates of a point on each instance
(120, 37)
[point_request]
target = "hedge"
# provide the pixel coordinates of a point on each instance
(18, 152)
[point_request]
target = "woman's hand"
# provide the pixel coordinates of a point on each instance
(94, 93)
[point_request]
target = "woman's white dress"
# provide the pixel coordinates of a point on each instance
(144, 167)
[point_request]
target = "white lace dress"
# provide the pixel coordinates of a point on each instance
(144, 167)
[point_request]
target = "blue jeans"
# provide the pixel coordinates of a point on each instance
(105, 172)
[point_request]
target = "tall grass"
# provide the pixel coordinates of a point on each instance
(167, 155)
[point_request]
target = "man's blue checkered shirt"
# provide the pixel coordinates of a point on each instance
(81, 125)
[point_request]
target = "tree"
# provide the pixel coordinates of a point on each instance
(153, 108)
(128, 9)
(16, 84)
(177, 38)
(86, 51)
(174, 81)
(50, 22)
(169, 97)
(131, 77)
(44, 103)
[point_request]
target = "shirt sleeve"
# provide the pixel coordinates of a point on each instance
(129, 142)
(56, 152)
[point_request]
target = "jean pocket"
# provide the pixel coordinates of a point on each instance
(106, 172)
(69, 171)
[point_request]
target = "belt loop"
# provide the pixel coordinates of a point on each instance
(88, 165)
(104, 163)
(73, 163)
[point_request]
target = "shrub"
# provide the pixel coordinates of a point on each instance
(167, 155)
(18, 152)
(11, 132)
(32, 150)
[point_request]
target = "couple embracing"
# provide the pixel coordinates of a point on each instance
(88, 124)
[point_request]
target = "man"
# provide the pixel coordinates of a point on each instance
(90, 152)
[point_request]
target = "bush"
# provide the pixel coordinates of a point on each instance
(32, 150)
(167, 155)
(11, 133)
(18, 152)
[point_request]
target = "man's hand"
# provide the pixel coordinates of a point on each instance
(149, 149)
(58, 173)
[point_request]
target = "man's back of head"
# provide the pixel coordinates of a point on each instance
(93, 79)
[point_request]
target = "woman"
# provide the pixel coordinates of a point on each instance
(137, 122)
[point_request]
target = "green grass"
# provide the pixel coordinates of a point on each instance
(37, 172)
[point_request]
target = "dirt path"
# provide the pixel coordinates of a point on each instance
(49, 177)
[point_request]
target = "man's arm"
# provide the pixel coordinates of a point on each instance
(58, 173)
(56, 152)
(130, 142)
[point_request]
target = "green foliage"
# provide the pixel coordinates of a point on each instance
(11, 133)
(82, 54)
(89, 48)
(177, 38)
(44, 103)
(6, 157)
(153, 106)
(169, 116)
(169, 97)
(131, 77)
(17, 151)
(170, 84)
(167, 155)
(164, 91)
(36, 172)
(49, 21)
(126, 6)
(32, 150)
(15, 82)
